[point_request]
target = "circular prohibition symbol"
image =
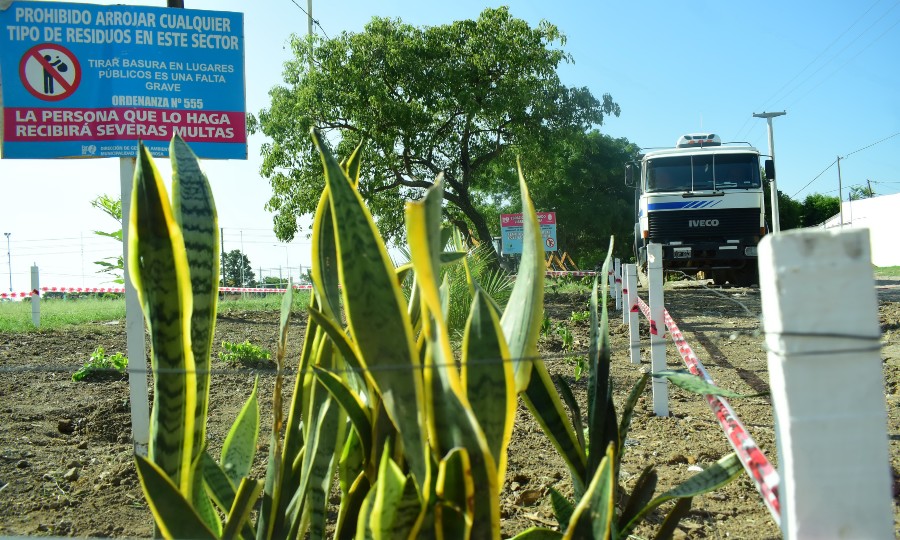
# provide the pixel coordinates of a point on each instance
(550, 243)
(50, 72)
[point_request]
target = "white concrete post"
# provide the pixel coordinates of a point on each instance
(134, 328)
(657, 330)
(632, 312)
(35, 298)
(821, 323)
(617, 274)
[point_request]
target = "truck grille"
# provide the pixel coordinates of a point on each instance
(731, 223)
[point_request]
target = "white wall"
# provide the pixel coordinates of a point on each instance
(881, 215)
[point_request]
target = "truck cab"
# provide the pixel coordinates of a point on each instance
(703, 202)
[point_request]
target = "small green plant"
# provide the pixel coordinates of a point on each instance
(101, 364)
(545, 326)
(244, 353)
(580, 316)
(568, 339)
(578, 363)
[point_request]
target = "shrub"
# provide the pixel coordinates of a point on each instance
(100, 364)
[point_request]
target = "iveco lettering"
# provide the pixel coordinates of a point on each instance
(703, 201)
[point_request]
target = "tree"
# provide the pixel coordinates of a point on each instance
(460, 99)
(817, 208)
(237, 270)
(588, 192)
(112, 207)
(861, 192)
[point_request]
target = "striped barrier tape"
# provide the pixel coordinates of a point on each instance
(121, 290)
(764, 475)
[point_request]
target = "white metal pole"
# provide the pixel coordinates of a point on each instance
(776, 214)
(657, 329)
(631, 311)
(134, 328)
(820, 318)
(617, 274)
(840, 193)
(35, 296)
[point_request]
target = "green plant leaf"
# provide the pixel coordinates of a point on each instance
(244, 500)
(392, 516)
(602, 427)
(171, 511)
(538, 533)
(376, 313)
(200, 499)
(456, 492)
(351, 508)
(641, 494)
(351, 404)
(488, 377)
(562, 508)
(240, 443)
(194, 210)
(715, 476)
(522, 317)
(593, 516)
(697, 385)
(566, 391)
(158, 267)
(217, 483)
(667, 529)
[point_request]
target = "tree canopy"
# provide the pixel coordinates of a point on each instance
(462, 99)
(237, 270)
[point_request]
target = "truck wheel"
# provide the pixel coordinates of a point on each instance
(746, 277)
(719, 277)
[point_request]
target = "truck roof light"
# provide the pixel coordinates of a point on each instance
(698, 139)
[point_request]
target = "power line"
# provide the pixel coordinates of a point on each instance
(315, 21)
(814, 179)
(873, 144)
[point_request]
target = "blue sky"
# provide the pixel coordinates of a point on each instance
(674, 67)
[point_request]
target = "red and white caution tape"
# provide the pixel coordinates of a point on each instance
(556, 273)
(121, 290)
(761, 471)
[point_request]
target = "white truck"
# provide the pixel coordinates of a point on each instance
(703, 201)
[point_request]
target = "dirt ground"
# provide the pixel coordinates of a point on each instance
(66, 465)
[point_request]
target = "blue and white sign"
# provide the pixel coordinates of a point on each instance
(82, 80)
(512, 232)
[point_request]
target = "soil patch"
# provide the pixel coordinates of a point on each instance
(66, 465)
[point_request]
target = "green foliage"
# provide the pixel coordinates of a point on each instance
(100, 364)
(566, 336)
(692, 383)
(463, 98)
(861, 192)
(580, 316)
(237, 270)
(243, 353)
(112, 207)
(817, 208)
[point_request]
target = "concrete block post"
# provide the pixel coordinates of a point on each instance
(632, 313)
(821, 323)
(35, 296)
(617, 275)
(657, 330)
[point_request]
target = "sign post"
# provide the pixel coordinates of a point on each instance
(511, 232)
(89, 81)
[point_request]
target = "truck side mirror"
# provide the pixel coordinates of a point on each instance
(629, 175)
(770, 170)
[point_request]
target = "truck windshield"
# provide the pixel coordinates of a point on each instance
(703, 173)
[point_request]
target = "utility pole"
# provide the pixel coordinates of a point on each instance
(222, 242)
(870, 193)
(9, 259)
(776, 217)
(840, 192)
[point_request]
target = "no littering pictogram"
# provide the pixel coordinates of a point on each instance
(550, 243)
(50, 72)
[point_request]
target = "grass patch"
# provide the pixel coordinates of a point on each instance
(887, 271)
(15, 317)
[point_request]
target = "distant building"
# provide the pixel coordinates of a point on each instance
(881, 215)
